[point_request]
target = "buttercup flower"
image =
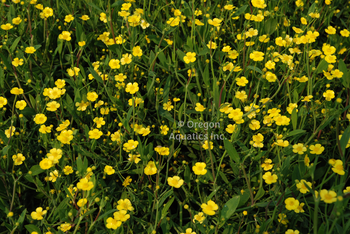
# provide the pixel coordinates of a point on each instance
(199, 168)
(175, 181)
(210, 207)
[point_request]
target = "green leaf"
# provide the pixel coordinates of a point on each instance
(36, 170)
(240, 11)
(259, 194)
(166, 90)
(204, 51)
(212, 193)
(206, 76)
(22, 216)
(230, 207)
(231, 151)
(32, 228)
(294, 118)
(80, 165)
(2, 78)
(345, 139)
(181, 54)
(166, 207)
(270, 26)
(95, 75)
(295, 132)
(345, 78)
(164, 196)
(94, 6)
(117, 3)
(255, 69)
(6, 62)
(14, 44)
(322, 66)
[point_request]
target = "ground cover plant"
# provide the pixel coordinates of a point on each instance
(174, 116)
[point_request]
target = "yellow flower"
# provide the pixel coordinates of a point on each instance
(68, 170)
(21, 104)
(303, 20)
(150, 169)
(81, 43)
(302, 187)
(114, 64)
(134, 158)
(109, 170)
(199, 168)
(209, 208)
(85, 17)
(282, 218)
(306, 161)
(16, 91)
(3, 102)
(267, 164)
(291, 231)
(82, 202)
(53, 176)
(52, 106)
(328, 196)
(85, 184)
(47, 12)
(38, 213)
(215, 22)
(45, 164)
(291, 203)
(175, 181)
(188, 231)
(103, 17)
(259, 4)
(40, 118)
(17, 62)
(112, 223)
(241, 81)
(206, 145)
(6, 27)
(65, 35)
(330, 30)
(127, 181)
(95, 134)
(231, 128)
(132, 88)
(134, 20)
(199, 217)
(199, 107)
(124, 205)
(65, 227)
(45, 129)
(68, 18)
(345, 33)
(257, 56)
(121, 215)
(329, 95)
(65, 137)
(269, 178)
(130, 145)
(338, 167)
(190, 57)
(92, 96)
(299, 148)
(73, 72)
(126, 59)
(136, 51)
(212, 45)
(18, 159)
(316, 149)
(173, 21)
